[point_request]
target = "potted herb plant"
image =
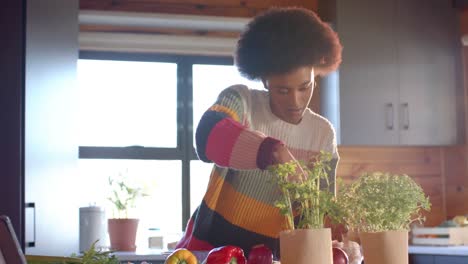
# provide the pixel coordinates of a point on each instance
(305, 203)
(122, 229)
(381, 207)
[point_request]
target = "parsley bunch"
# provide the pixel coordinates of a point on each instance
(308, 199)
(379, 202)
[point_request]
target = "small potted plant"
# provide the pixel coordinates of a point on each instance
(122, 229)
(305, 203)
(381, 207)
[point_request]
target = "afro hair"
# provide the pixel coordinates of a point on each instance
(283, 39)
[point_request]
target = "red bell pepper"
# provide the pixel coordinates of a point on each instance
(260, 254)
(226, 255)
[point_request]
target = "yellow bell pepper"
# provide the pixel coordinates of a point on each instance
(181, 256)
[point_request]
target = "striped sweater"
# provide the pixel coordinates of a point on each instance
(237, 133)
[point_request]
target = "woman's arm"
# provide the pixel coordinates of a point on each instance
(223, 135)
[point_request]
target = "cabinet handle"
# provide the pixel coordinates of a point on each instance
(389, 116)
(405, 116)
(32, 243)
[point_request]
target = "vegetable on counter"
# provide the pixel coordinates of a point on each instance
(260, 254)
(352, 250)
(226, 255)
(340, 256)
(181, 256)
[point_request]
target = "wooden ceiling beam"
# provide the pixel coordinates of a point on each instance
(221, 8)
(229, 8)
(158, 31)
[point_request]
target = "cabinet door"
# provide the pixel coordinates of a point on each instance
(51, 149)
(368, 74)
(421, 259)
(427, 45)
(450, 259)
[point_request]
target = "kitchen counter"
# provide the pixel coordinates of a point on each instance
(438, 254)
(439, 250)
(156, 256)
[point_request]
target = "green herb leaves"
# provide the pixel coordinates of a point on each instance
(94, 256)
(382, 201)
(308, 199)
(375, 202)
(123, 196)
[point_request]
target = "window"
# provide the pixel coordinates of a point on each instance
(137, 115)
(121, 101)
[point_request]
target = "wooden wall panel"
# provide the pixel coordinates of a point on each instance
(465, 84)
(441, 171)
(464, 21)
(456, 181)
(423, 164)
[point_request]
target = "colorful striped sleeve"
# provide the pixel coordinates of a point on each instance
(223, 135)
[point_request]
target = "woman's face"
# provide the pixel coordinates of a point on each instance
(290, 93)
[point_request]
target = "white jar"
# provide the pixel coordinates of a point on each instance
(93, 227)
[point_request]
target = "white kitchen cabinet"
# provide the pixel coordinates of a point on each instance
(51, 148)
(398, 80)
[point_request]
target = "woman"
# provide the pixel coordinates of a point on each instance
(247, 130)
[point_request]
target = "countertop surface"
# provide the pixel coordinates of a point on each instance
(439, 250)
(155, 255)
(142, 254)
(158, 254)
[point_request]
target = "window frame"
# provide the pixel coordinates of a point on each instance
(184, 151)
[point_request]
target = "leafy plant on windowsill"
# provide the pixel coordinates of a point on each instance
(94, 256)
(123, 196)
(308, 198)
(90, 256)
(379, 202)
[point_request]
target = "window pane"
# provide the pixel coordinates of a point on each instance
(126, 103)
(199, 176)
(209, 81)
(162, 181)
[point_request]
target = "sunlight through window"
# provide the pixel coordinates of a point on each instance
(126, 103)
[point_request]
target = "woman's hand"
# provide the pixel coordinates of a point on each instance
(281, 154)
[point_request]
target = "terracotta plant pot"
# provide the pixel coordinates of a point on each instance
(122, 233)
(306, 246)
(387, 247)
